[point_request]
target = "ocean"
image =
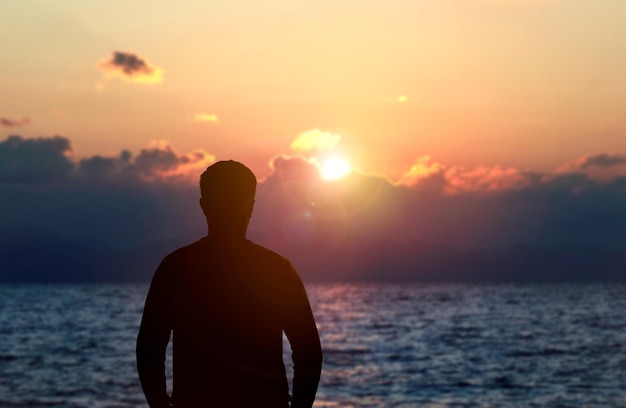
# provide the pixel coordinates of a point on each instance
(385, 345)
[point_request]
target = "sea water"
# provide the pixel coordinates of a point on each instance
(385, 345)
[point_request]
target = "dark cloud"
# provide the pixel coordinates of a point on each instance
(600, 167)
(14, 123)
(602, 160)
(98, 168)
(517, 232)
(157, 163)
(46, 160)
(151, 161)
(131, 67)
(130, 63)
(497, 224)
(38, 160)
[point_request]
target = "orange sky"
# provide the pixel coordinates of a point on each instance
(530, 84)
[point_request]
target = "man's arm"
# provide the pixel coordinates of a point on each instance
(154, 334)
(306, 349)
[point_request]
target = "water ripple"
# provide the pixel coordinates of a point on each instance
(384, 345)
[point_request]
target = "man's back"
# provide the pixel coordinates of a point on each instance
(227, 306)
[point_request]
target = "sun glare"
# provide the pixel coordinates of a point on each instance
(335, 168)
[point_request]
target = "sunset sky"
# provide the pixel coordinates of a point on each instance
(375, 128)
(524, 84)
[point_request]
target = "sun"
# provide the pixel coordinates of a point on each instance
(335, 168)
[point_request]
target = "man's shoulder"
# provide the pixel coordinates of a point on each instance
(273, 273)
(264, 259)
(205, 245)
(186, 251)
(266, 253)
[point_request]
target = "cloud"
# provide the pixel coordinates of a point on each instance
(205, 117)
(130, 67)
(421, 170)
(597, 161)
(37, 160)
(363, 225)
(598, 166)
(50, 160)
(165, 163)
(483, 178)
(97, 168)
(14, 123)
(289, 168)
(602, 160)
(427, 175)
(315, 140)
(118, 200)
(479, 208)
(159, 163)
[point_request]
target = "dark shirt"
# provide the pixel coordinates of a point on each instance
(227, 306)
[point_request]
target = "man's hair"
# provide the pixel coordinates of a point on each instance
(228, 182)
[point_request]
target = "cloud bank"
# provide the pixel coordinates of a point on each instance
(425, 174)
(50, 160)
(437, 221)
(40, 160)
(130, 67)
(598, 166)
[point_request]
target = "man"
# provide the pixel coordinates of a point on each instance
(227, 302)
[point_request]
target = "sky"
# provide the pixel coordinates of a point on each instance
(472, 123)
(530, 84)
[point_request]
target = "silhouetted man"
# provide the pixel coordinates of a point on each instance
(227, 302)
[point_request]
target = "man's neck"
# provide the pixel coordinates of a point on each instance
(227, 236)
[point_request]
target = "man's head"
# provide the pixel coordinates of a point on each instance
(227, 196)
